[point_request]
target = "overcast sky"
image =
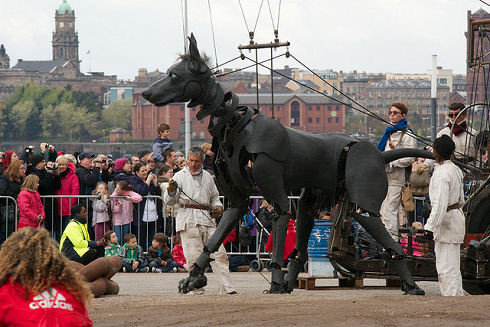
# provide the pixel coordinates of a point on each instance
(363, 35)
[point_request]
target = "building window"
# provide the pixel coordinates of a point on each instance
(317, 108)
(278, 108)
(310, 120)
(329, 108)
(201, 135)
(310, 108)
(337, 120)
(337, 107)
(329, 119)
(318, 120)
(61, 52)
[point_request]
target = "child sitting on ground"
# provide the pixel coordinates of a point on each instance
(159, 255)
(132, 255)
(113, 248)
(178, 252)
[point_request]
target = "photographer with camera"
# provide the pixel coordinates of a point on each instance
(88, 177)
(105, 171)
(48, 151)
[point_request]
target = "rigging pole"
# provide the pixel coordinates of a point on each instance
(187, 115)
(433, 100)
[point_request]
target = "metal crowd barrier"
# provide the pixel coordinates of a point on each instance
(8, 216)
(144, 230)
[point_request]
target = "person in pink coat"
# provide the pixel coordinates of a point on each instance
(31, 213)
(122, 208)
(69, 186)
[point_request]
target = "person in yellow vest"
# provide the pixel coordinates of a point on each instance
(75, 242)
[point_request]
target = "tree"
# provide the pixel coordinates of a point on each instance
(20, 115)
(118, 114)
(70, 121)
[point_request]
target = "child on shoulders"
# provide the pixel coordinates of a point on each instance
(132, 255)
(159, 256)
(112, 248)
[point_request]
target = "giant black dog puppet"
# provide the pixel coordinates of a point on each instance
(323, 166)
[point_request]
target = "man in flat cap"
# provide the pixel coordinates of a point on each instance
(446, 223)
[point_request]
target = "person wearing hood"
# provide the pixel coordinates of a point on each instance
(69, 186)
(446, 223)
(75, 242)
(461, 133)
(162, 143)
(6, 158)
(123, 170)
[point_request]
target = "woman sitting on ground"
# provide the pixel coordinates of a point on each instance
(38, 286)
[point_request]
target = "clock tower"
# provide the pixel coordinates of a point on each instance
(65, 39)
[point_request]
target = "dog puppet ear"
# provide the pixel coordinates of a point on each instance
(194, 54)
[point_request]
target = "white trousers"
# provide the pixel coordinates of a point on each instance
(193, 241)
(448, 268)
(389, 210)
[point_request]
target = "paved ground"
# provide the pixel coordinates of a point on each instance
(152, 300)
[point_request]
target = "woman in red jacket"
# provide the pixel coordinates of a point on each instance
(31, 210)
(38, 286)
(69, 186)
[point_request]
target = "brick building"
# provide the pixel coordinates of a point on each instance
(477, 77)
(414, 93)
(308, 112)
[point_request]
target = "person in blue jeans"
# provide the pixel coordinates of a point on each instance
(132, 256)
(159, 257)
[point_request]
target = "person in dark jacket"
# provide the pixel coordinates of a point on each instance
(10, 184)
(145, 222)
(124, 170)
(88, 177)
(159, 255)
(49, 182)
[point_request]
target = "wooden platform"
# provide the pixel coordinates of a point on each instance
(309, 283)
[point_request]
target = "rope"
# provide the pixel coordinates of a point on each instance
(257, 20)
(272, 18)
(227, 62)
(212, 30)
(243, 68)
(243, 14)
(278, 14)
(366, 112)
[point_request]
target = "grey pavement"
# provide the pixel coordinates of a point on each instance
(249, 283)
